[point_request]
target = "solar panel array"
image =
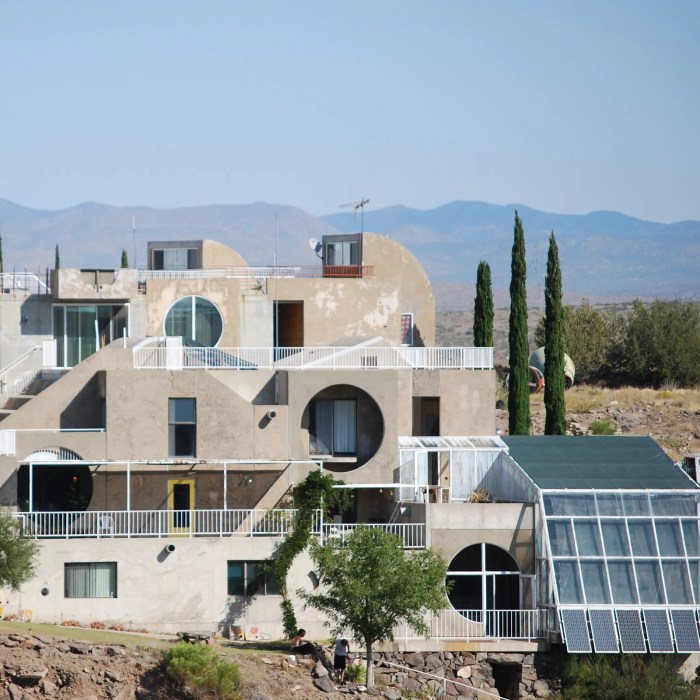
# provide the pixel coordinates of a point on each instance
(656, 630)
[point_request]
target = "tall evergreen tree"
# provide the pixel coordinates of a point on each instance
(483, 307)
(57, 259)
(554, 382)
(125, 258)
(2, 261)
(519, 379)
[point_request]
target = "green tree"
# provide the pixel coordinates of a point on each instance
(2, 260)
(369, 584)
(483, 307)
(662, 344)
(519, 378)
(125, 258)
(17, 553)
(554, 381)
(57, 259)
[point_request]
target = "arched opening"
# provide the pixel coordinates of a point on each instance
(345, 427)
(53, 487)
(485, 577)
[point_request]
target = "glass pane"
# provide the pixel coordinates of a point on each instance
(344, 431)
(588, 538)
(609, 503)
(561, 538)
(649, 581)
(692, 538)
(636, 504)
(568, 582)
(624, 589)
(59, 334)
(615, 538)
(207, 323)
(673, 504)
(668, 534)
(569, 504)
(236, 578)
(182, 410)
(642, 537)
(595, 581)
(321, 427)
(677, 582)
(178, 320)
(694, 566)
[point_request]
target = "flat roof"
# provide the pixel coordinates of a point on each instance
(596, 462)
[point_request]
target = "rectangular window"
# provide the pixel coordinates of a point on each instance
(341, 253)
(175, 259)
(247, 578)
(182, 428)
(91, 580)
(407, 329)
(333, 427)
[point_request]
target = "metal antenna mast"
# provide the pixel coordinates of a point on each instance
(360, 204)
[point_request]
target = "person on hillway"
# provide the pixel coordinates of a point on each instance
(300, 645)
(340, 658)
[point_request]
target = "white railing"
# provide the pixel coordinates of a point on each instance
(479, 624)
(412, 534)
(368, 358)
(160, 523)
(26, 282)
(260, 273)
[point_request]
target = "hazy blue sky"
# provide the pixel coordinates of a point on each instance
(564, 106)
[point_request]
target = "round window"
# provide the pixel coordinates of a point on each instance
(196, 319)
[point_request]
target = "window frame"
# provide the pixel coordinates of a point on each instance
(91, 570)
(314, 438)
(176, 427)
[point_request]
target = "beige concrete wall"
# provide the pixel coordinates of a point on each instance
(510, 526)
(95, 285)
(183, 590)
(215, 254)
(17, 337)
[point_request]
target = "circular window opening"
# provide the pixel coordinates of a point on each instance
(484, 578)
(197, 320)
(345, 427)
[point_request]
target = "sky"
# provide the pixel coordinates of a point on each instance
(563, 106)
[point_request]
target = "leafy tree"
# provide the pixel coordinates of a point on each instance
(370, 584)
(125, 258)
(662, 343)
(483, 307)
(57, 259)
(554, 381)
(17, 553)
(314, 493)
(519, 379)
(2, 261)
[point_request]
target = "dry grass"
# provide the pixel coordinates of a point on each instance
(587, 399)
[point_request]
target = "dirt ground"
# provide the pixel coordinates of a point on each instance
(64, 664)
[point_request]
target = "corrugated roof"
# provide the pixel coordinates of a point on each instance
(596, 462)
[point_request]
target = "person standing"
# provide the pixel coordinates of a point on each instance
(340, 658)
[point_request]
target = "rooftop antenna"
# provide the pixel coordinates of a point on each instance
(360, 204)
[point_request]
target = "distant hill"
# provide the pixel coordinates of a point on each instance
(603, 255)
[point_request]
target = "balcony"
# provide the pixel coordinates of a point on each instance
(260, 273)
(194, 523)
(153, 353)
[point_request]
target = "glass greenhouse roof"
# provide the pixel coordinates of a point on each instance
(626, 568)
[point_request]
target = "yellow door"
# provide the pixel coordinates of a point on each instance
(181, 505)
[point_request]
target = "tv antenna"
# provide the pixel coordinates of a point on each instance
(360, 204)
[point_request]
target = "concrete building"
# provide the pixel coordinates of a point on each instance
(155, 422)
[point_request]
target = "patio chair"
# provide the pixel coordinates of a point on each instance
(105, 525)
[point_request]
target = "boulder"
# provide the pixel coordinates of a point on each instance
(324, 683)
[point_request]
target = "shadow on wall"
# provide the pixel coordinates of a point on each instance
(233, 622)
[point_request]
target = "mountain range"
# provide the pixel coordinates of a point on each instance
(604, 255)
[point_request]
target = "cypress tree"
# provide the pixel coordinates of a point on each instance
(554, 381)
(57, 259)
(483, 307)
(519, 379)
(125, 258)
(2, 261)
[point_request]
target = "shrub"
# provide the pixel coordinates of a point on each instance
(624, 677)
(197, 667)
(357, 673)
(602, 426)
(98, 626)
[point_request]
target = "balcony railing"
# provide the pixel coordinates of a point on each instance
(259, 273)
(193, 523)
(480, 624)
(157, 356)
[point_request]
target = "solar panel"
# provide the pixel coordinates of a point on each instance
(603, 629)
(629, 624)
(685, 628)
(576, 631)
(658, 632)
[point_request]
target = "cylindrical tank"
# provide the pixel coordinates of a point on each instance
(537, 360)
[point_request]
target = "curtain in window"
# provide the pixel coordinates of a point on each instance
(207, 323)
(321, 428)
(344, 430)
(95, 580)
(175, 258)
(179, 319)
